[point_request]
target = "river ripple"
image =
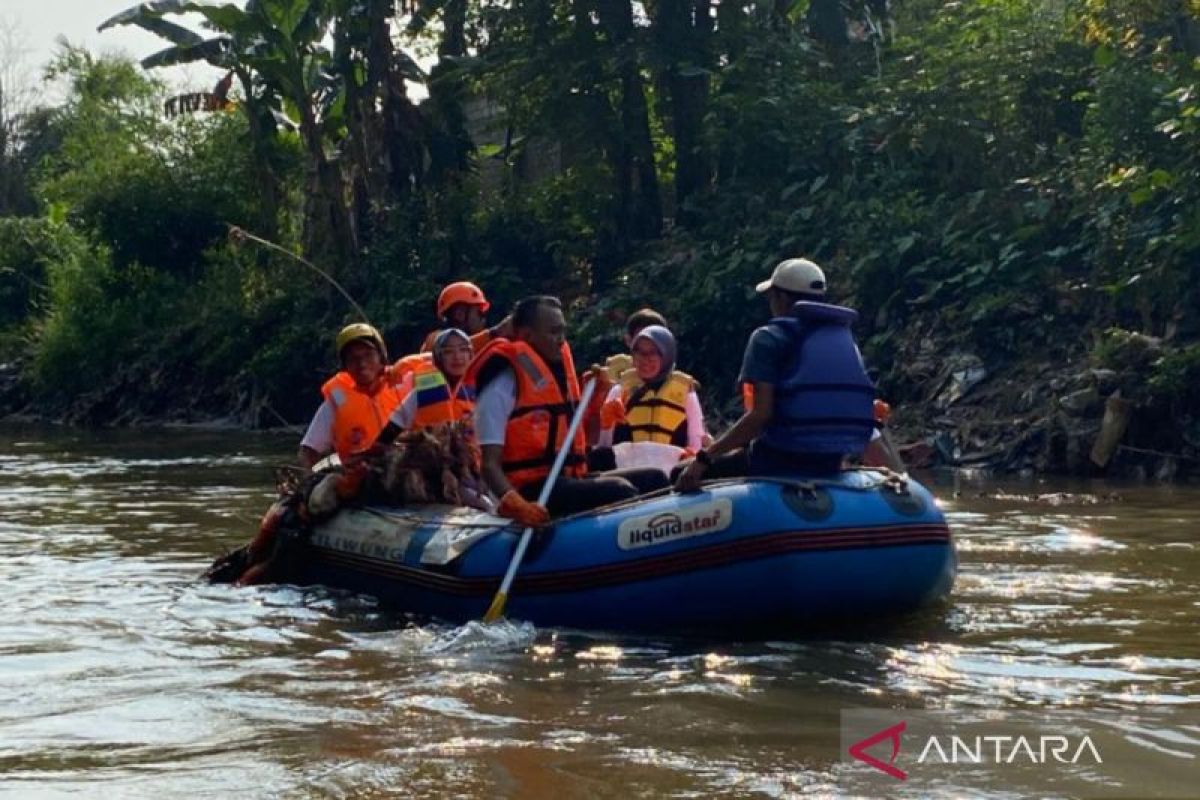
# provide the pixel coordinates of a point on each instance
(121, 675)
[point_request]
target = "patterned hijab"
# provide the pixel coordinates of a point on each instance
(441, 340)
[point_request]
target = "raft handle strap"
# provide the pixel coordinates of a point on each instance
(812, 484)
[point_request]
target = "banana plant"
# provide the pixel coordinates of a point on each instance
(387, 142)
(276, 49)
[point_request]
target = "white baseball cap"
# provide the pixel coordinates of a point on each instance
(797, 275)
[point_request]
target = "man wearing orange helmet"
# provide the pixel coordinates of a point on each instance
(464, 306)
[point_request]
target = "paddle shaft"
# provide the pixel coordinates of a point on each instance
(497, 607)
(895, 462)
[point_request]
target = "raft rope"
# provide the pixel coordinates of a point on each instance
(431, 519)
(888, 479)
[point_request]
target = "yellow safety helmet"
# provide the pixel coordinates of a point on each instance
(360, 332)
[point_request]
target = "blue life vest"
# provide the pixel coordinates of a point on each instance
(825, 400)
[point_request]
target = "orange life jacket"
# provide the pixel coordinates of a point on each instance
(359, 415)
(436, 403)
(538, 424)
(402, 374)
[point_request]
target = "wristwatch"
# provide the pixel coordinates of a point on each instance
(702, 457)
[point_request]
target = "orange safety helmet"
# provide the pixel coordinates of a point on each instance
(461, 292)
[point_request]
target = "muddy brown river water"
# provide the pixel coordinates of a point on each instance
(121, 675)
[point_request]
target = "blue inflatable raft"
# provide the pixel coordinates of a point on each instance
(740, 556)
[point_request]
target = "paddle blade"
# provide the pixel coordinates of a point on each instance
(496, 609)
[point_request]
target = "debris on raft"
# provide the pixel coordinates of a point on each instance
(433, 465)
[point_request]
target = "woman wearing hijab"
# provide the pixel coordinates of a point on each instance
(653, 401)
(438, 394)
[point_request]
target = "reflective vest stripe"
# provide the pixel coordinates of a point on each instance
(525, 362)
(435, 404)
(433, 395)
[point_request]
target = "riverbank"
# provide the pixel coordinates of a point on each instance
(128, 404)
(1099, 411)
(958, 411)
(1029, 419)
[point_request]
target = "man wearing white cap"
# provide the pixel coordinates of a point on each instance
(794, 276)
(813, 401)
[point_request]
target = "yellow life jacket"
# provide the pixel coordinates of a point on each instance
(655, 415)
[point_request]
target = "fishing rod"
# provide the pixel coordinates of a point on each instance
(238, 235)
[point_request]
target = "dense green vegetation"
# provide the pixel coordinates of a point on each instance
(1013, 179)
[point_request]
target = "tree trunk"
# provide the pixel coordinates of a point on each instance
(262, 132)
(682, 31)
(450, 145)
(365, 172)
(596, 114)
(454, 22)
(641, 204)
(329, 230)
(402, 123)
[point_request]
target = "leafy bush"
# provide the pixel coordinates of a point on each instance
(1126, 351)
(157, 193)
(27, 245)
(1175, 380)
(99, 320)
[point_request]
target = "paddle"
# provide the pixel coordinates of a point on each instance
(895, 462)
(496, 609)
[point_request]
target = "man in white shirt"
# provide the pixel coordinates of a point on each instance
(517, 415)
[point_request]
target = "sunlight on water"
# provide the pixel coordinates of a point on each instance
(601, 653)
